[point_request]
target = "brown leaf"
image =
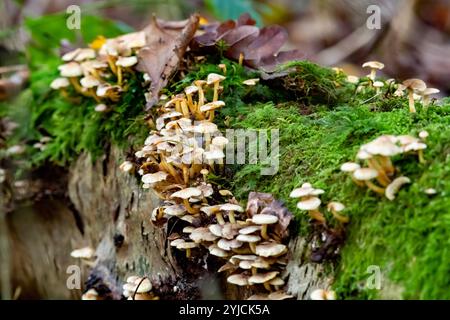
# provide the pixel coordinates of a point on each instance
(167, 42)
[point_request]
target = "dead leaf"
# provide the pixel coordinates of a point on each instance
(166, 43)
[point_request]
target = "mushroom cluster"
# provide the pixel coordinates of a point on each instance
(310, 202)
(175, 161)
(100, 71)
(138, 288)
(380, 173)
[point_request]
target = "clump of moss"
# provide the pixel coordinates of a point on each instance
(408, 237)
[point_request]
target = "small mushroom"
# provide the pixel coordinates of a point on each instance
(336, 207)
(72, 70)
(413, 85)
(350, 167)
(250, 239)
(264, 220)
(126, 166)
(321, 294)
(395, 186)
(60, 84)
(426, 95)
(83, 253)
(211, 107)
(238, 279)
(312, 206)
(374, 66)
(271, 249)
(186, 246)
(263, 278)
(185, 194)
(231, 208)
(366, 175)
(215, 79)
(124, 62)
(250, 82)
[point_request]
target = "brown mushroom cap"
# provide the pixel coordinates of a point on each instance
(415, 84)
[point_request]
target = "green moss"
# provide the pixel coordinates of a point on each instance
(409, 237)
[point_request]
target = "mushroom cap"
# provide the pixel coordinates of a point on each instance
(335, 206)
(126, 61)
(352, 79)
(84, 54)
(239, 257)
(59, 83)
(250, 238)
(214, 154)
(238, 279)
(365, 174)
(423, 134)
(213, 78)
(309, 204)
(277, 281)
(186, 245)
(216, 251)
(202, 234)
(231, 207)
(83, 253)
(259, 297)
(430, 91)
(220, 141)
(210, 210)
(176, 242)
(321, 294)
(350, 166)
(415, 84)
(305, 190)
(69, 56)
(175, 210)
(101, 107)
(430, 191)
(415, 146)
(230, 230)
(89, 82)
(215, 229)
(206, 127)
(250, 82)
(132, 279)
(142, 285)
(373, 65)
(395, 186)
(378, 84)
(126, 166)
(91, 294)
(249, 229)
(227, 245)
(212, 106)
(264, 219)
(71, 69)
(363, 155)
(270, 249)
(383, 145)
(187, 193)
(279, 295)
(151, 178)
(191, 89)
(188, 229)
(262, 277)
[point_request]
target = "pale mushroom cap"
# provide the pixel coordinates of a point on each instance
(415, 146)
(209, 210)
(187, 193)
(279, 295)
(363, 155)
(248, 238)
(373, 65)
(227, 245)
(230, 230)
(249, 229)
(262, 277)
(270, 249)
(378, 84)
(187, 245)
(59, 83)
(191, 89)
(91, 294)
(383, 146)
(214, 155)
(188, 229)
(365, 174)
(264, 219)
(216, 251)
(430, 91)
(71, 69)
(175, 210)
(430, 191)
(309, 204)
(352, 79)
(318, 294)
(215, 229)
(83, 253)
(142, 285)
(415, 84)
(231, 207)
(395, 186)
(176, 242)
(101, 107)
(69, 56)
(277, 281)
(213, 78)
(206, 127)
(126, 61)
(251, 82)
(84, 54)
(238, 279)
(154, 177)
(423, 134)
(132, 279)
(126, 166)
(303, 191)
(202, 234)
(335, 206)
(350, 166)
(89, 82)
(212, 106)
(220, 141)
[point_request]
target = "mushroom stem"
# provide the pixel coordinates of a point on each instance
(231, 217)
(112, 64)
(359, 183)
(317, 215)
(119, 75)
(252, 246)
(254, 271)
(386, 163)
(76, 85)
(188, 207)
(184, 108)
(382, 178)
(421, 158)
(188, 252)
(373, 74)
(185, 174)
(264, 232)
(374, 187)
(169, 168)
(216, 94)
(92, 93)
(211, 116)
(412, 107)
(241, 58)
(426, 100)
(339, 217)
(191, 104)
(178, 106)
(267, 286)
(201, 97)
(220, 219)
